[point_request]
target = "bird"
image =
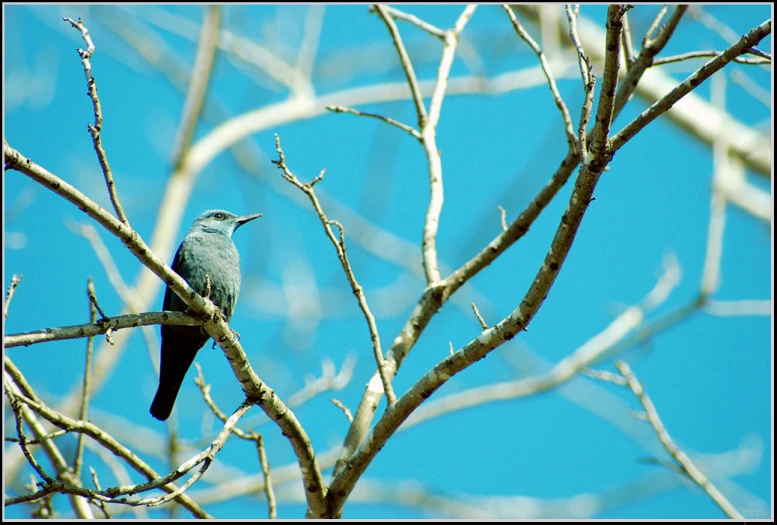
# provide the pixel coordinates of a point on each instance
(208, 260)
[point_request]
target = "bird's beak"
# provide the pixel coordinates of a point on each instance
(246, 218)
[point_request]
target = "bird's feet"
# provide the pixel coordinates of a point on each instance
(206, 295)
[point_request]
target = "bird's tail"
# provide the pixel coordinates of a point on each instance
(176, 361)
(163, 402)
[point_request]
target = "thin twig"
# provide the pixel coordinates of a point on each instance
(446, 61)
(759, 53)
(388, 120)
(685, 462)
(16, 407)
(15, 280)
(268, 489)
(589, 82)
(205, 390)
(93, 300)
(344, 408)
(628, 46)
(100, 503)
(562, 107)
(33, 496)
(427, 124)
(341, 255)
(38, 441)
(708, 54)
(583, 61)
(654, 26)
(482, 321)
(96, 128)
(103, 318)
(414, 20)
(502, 217)
(83, 410)
(407, 66)
(604, 375)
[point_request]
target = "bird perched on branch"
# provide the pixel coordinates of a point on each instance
(208, 260)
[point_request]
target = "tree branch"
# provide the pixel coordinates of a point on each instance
(99, 327)
(689, 84)
(404, 58)
(198, 85)
(348, 472)
(562, 107)
(15, 280)
(685, 462)
(341, 255)
(94, 130)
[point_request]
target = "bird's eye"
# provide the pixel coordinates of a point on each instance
(220, 216)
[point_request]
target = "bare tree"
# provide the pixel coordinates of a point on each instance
(614, 63)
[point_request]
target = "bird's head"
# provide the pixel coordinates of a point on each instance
(221, 221)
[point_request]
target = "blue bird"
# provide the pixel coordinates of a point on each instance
(207, 252)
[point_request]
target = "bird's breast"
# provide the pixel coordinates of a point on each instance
(212, 257)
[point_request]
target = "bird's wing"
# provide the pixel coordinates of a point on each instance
(169, 293)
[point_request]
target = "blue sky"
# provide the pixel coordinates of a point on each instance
(709, 376)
